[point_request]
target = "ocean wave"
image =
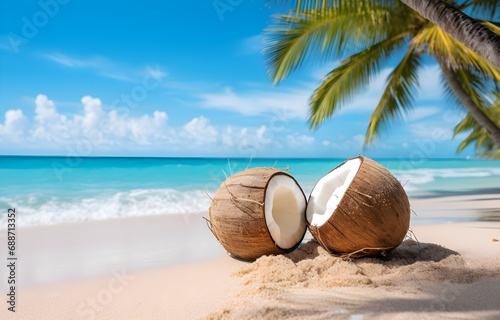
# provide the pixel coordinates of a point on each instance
(41, 209)
(37, 209)
(426, 175)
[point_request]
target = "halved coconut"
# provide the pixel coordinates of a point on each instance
(258, 212)
(358, 208)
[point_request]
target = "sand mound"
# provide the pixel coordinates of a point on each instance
(310, 282)
(312, 266)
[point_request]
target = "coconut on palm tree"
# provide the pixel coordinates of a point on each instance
(368, 34)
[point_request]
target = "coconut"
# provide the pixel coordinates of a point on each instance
(358, 209)
(258, 212)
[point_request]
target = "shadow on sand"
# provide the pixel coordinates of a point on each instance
(407, 253)
(439, 279)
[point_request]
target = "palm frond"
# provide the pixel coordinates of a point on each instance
(327, 34)
(291, 40)
(495, 27)
(467, 141)
(349, 78)
(466, 124)
(365, 33)
(489, 8)
(478, 135)
(320, 5)
(474, 85)
(398, 95)
(435, 41)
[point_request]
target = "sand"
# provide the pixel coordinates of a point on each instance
(416, 277)
(66, 252)
(170, 267)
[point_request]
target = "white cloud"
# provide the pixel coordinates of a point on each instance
(354, 143)
(71, 61)
(284, 104)
(15, 122)
(147, 130)
(419, 113)
(430, 83)
(252, 44)
(358, 140)
(105, 67)
(45, 109)
(227, 136)
(293, 103)
(431, 131)
(261, 135)
(200, 131)
(288, 103)
(299, 140)
(93, 113)
(99, 129)
(49, 124)
(156, 73)
(244, 138)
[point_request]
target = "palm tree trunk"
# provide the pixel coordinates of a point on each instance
(478, 115)
(465, 29)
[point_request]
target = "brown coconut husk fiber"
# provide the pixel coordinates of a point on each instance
(372, 218)
(237, 217)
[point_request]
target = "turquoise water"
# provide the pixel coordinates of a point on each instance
(48, 190)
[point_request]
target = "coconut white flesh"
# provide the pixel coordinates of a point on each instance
(284, 211)
(328, 192)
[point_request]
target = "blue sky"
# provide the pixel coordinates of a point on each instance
(170, 78)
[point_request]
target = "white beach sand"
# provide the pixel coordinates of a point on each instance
(417, 280)
(171, 267)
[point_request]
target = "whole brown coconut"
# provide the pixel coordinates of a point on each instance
(258, 212)
(358, 209)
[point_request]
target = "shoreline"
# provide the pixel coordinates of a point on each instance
(147, 242)
(209, 288)
(467, 206)
(65, 252)
(172, 266)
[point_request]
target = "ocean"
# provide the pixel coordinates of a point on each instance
(51, 190)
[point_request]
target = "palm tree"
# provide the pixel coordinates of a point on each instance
(468, 31)
(367, 34)
(478, 135)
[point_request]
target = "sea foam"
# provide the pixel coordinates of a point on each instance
(427, 175)
(36, 209)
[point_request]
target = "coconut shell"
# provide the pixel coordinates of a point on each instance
(371, 219)
(237, 217)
